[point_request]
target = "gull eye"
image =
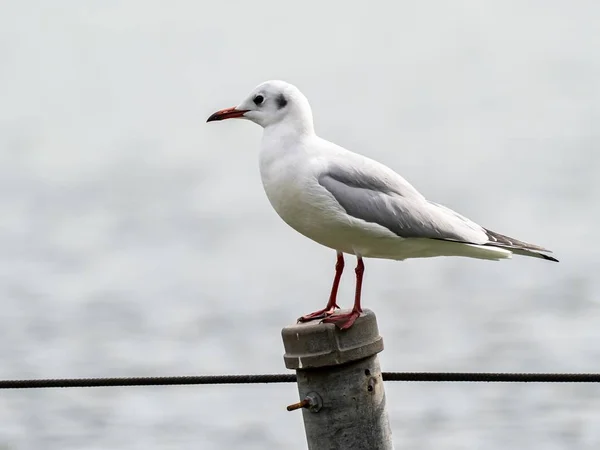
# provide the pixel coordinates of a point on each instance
(258, 100)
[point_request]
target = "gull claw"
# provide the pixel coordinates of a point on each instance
(343, 321)
(320, 314)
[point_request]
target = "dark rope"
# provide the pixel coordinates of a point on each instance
(494, 377)
(147, 381)
(290, 378)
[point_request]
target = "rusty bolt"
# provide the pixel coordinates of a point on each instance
(303, 404)
(312, 401)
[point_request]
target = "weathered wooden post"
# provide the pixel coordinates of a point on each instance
(339, 380)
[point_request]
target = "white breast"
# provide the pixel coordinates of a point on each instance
(293, 190)
(290, 181)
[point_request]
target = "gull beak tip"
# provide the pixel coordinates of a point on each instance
(212, 118)
(227, 113)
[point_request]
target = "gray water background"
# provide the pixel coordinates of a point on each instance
(136, 240)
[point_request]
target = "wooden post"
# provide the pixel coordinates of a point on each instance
(339, 381)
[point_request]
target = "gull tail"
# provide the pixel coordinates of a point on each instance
(516, 246)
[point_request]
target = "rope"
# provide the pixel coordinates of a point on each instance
(290, 378)
(493, 377)
(147, 381)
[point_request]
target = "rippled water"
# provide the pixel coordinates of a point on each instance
(136, 240)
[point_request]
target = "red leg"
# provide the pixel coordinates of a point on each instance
(331, 304)
(345, 321)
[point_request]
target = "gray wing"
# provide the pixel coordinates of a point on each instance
(397, 206)
(393, 203)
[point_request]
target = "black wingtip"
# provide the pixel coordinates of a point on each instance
(549, 258)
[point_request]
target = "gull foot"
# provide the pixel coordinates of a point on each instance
(343, 321)
(320, 314)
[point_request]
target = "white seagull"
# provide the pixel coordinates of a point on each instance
(350, 203)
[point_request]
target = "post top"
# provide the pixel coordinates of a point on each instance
(314, 344)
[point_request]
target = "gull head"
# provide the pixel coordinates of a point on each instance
(272, 103)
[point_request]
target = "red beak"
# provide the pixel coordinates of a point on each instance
(227, 113)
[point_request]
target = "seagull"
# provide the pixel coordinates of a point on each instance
(351, 203)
